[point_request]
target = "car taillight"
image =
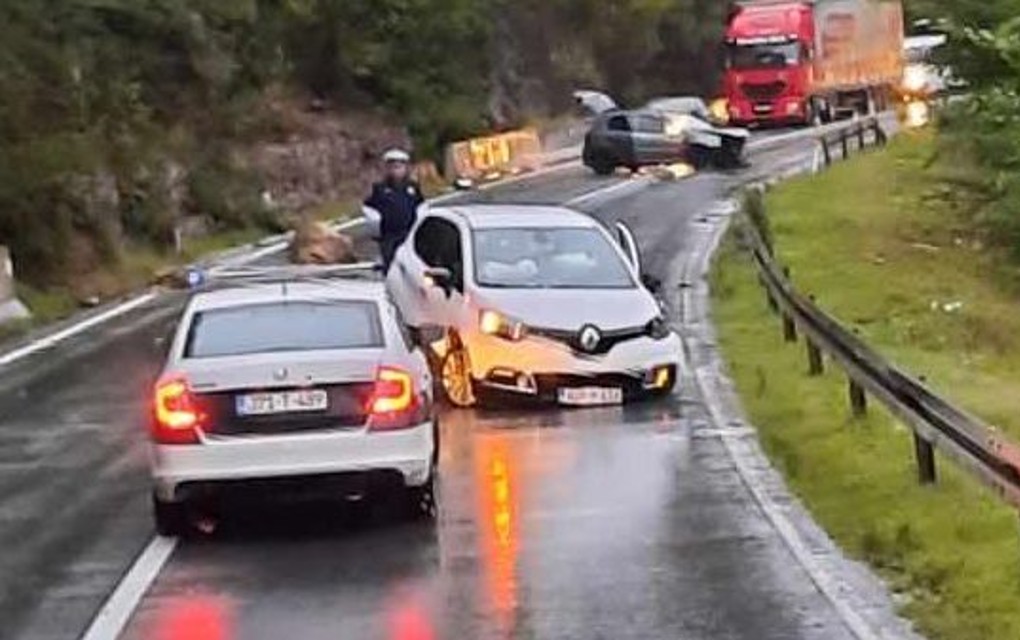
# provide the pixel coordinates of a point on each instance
(394, 402)
(176, 413)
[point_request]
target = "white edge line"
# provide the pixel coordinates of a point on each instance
(84, 325)
(116, 612)
(791, 537)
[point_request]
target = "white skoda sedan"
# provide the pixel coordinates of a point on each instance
(292, 389)
(534, 301)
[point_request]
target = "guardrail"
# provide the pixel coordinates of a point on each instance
(935, 422)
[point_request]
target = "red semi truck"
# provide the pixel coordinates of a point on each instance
(809, 61)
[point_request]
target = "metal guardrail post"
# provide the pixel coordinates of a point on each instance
(789, 328)
(826, 152)
(860, 136)
(925, 454)
(845, 140)
(858, 399)
(880, 137)
(816, 365)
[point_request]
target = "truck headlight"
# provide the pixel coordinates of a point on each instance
(658, 328)
(915, 78)
(493, 323)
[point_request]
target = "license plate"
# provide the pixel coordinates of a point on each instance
(763, 108)
(588, 396)
(268, 403)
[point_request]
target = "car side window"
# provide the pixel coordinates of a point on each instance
(649, 124)
(438, 244)
(618, 123)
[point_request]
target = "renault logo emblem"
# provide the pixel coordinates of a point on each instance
(280, 374)
(589, 338)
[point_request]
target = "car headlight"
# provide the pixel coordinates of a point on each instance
(658, 328)
(493, 323)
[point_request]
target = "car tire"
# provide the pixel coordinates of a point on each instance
(455, 376)
(699, 157)
(423, 501)
(602, 166)
(170, 518)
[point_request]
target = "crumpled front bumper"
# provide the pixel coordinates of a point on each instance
(537, 365)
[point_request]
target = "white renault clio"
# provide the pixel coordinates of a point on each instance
(291, 388)
(536, 301)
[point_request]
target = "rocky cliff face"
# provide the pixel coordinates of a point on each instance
(325, 157)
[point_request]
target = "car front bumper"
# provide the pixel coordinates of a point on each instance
(538, 366)
(177, 468)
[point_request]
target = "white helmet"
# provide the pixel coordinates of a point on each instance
(396, 155)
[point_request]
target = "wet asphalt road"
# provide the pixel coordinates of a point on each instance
(609, 523)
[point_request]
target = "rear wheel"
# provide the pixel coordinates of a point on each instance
(170, 517)
(423, 502)
(602, 165)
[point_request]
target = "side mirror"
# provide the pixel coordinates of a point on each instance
(440, 277)
(651, 283)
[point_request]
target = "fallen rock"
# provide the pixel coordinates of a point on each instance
(316, 243)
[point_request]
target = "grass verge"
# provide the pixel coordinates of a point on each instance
(884, 252)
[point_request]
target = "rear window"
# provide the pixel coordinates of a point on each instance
(284, 326)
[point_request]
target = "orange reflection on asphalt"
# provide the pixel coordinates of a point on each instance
(407, 619)
(496, 475)
(194, 617)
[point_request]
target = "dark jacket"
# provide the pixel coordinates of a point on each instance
(397, 203)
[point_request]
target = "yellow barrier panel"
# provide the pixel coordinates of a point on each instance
(479, 158)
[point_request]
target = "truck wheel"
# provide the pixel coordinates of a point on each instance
(170, 518)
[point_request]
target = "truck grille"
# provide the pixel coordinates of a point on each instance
(763, 91)
(346, 410)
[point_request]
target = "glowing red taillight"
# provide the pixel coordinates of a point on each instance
(176, 414)
(393, 401)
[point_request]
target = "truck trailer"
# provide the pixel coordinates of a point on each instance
(811, 61)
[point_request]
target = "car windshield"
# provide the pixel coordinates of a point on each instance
(548, 258)
(762, 56)
(283, 326)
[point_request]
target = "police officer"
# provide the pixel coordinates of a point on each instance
(397, 198)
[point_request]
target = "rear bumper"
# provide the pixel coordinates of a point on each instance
(407, 452)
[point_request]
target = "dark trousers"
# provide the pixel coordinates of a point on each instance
(388, 248)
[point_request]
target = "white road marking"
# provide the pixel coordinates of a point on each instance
(117, 610)
(696, 270)
(626, 187)
(59, 336)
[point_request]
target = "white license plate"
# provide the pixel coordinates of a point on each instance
(588, 396)
(261, 404)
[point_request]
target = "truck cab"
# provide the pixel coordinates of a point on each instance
(807, 61)
(769, 48)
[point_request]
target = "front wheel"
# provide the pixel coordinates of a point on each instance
(602, 166)
(455, 376)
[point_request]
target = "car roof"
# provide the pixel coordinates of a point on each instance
(496, 216)
(335, 289)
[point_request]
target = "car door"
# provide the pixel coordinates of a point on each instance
(435, 243)
(651, 144)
